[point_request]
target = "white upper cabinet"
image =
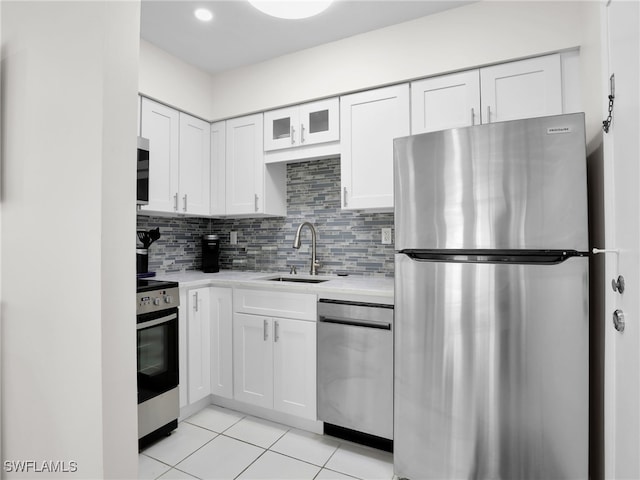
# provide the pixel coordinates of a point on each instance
(178, 160)
(523, 89)
(160, 124)
(194, 171)
(218, 168)
(251, 188)
(244, 164)
(446, 101)
(370, 121)
(307, 124)
(509, 91)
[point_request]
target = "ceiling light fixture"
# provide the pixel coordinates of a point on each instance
(203, 14)
(291, 9)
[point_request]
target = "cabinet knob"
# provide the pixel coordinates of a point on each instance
(618, 284)
(618, 320)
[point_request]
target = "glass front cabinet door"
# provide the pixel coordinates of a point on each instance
(300, 125)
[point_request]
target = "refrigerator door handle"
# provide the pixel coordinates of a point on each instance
(545, 257)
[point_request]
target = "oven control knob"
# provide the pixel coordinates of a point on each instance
(156, 301)
(168, 299)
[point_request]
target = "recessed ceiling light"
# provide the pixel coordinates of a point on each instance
(203, 14)
(291, 9)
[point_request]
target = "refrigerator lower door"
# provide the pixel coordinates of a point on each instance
(491, 370)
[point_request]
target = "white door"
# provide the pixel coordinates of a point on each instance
(199, 347)
(253, 359)
(244, 165)
(281, 128)
(622, 231)
(194, 172)
(294, 367)
(221, 342)
(160, 124)
(369, 121)
(320, 122)
(523, 89)
(446, 101)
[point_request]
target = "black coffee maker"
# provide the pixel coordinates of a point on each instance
(210, 253)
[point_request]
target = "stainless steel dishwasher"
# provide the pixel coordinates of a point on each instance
(355, 366)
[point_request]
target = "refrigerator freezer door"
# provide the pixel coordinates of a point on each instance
(491, 370)
(506, 186)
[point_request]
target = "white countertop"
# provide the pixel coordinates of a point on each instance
(355, 288)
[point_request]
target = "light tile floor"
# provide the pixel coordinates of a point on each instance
(217, 443)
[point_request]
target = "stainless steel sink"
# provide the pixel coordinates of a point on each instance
(296, 279)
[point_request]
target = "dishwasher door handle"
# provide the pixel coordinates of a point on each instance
(356, 323)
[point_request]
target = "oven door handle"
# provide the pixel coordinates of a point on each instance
(157, 321)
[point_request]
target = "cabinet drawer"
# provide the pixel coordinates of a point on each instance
(301, 306)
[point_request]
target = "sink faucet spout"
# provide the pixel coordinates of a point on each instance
(297, 243)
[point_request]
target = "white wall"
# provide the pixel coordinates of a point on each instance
(169, 80)
(68, 216)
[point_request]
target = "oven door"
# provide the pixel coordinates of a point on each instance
(157, 344)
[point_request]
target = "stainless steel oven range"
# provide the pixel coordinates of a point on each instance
(157, 351)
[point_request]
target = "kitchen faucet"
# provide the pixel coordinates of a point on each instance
(296, 244)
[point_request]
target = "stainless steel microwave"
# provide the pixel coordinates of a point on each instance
(143, 171)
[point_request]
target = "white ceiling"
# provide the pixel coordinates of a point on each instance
(241, 35)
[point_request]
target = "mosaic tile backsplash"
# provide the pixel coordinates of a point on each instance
(346, 241)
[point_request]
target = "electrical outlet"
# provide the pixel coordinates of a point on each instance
(233, 238)
(386, 236)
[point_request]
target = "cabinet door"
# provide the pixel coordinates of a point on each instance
(194, 172)
(199, 341)
(160, 124)
(221, 316)
(447, 101)
(253, 359)
(369, 121)
(294, 367)
(245, 165)
(281, 128)
(320, 122)
(523, 89)
(218, 151)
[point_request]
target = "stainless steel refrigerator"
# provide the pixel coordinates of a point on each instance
(491, 302)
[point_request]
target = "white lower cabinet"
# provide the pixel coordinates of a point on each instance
(205, 344)
(221, 317)
(199, 349)
(274, 358)
(294, 367)
(253, 359)
(275, 363)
